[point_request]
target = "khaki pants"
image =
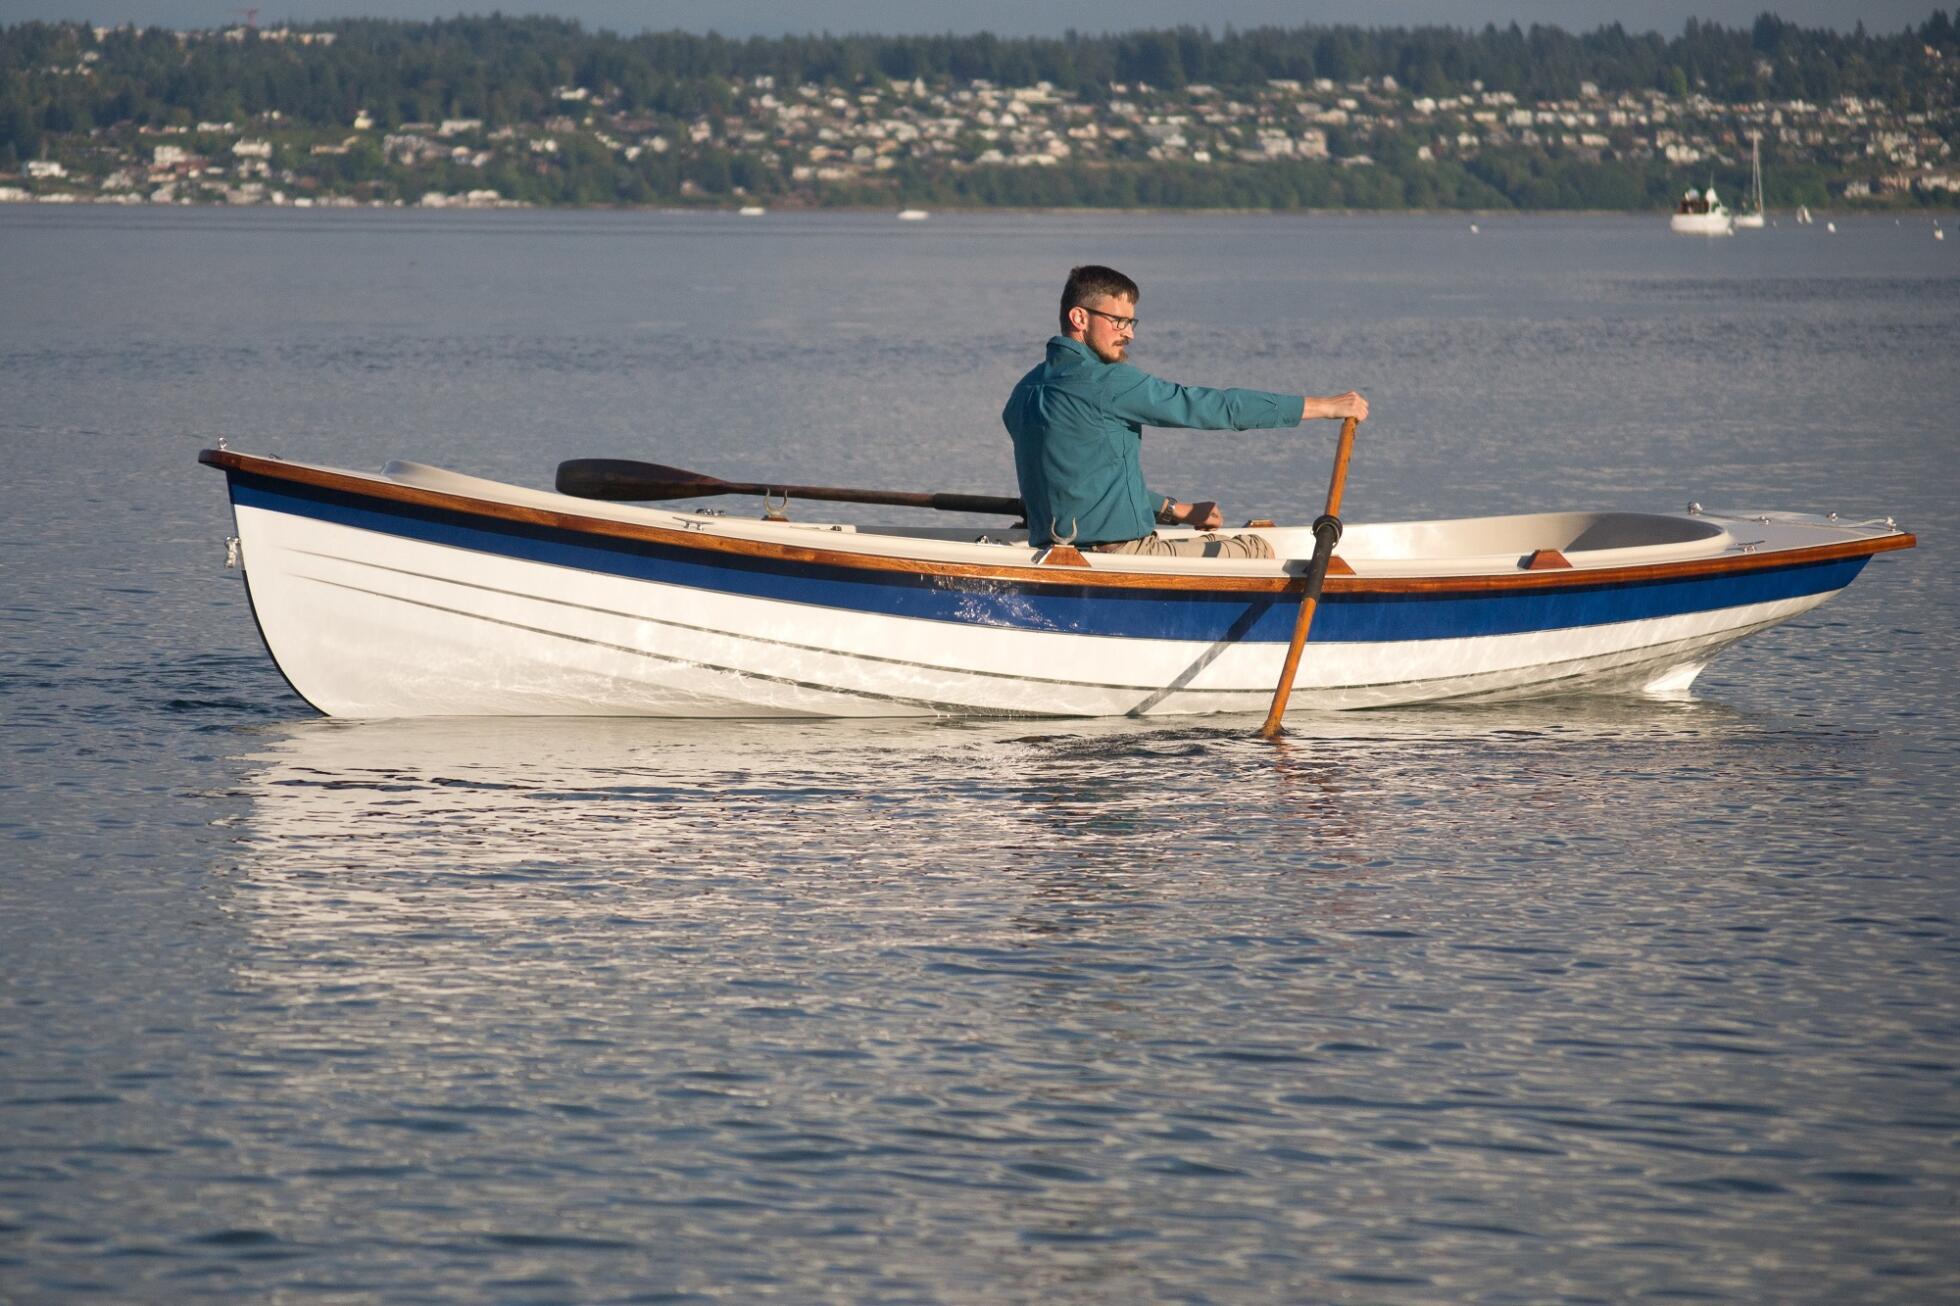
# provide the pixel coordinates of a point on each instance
(1191, 546)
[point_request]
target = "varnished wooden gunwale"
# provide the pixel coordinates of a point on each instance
(1034, 574)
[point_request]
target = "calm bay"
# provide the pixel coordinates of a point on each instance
(1595, 999)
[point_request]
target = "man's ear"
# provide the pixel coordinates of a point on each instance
(1078, 318)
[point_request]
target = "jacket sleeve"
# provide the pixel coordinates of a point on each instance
(1136, 396)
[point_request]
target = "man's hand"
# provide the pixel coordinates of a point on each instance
(1351, 404)
(1203, 516)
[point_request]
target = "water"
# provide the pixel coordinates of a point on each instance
(1605, 999)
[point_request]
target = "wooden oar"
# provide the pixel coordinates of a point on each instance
(622, 478)
(1326, 534)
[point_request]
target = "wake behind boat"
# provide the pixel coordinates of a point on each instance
(425, 592)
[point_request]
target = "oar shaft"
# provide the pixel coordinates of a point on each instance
(1342, 452)
(1327, 533)
(623, 478)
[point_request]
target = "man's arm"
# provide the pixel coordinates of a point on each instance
(1205, 515)
(1351, 404)
(1140, 397)
(1134, 395)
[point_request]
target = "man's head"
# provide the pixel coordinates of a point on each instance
(1099, 308)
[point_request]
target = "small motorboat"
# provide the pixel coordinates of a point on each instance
(426, 592)
(1701, 213)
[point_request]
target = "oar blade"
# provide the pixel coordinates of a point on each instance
(626, 479)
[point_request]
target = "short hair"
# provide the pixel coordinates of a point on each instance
(1093, 281)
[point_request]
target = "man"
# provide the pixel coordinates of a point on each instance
(1077, 422)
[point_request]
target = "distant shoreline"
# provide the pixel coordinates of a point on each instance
(1930, 212)
(506, 112)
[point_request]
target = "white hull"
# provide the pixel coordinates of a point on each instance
(1701, 224)
(370, 626)
(368, 621)
(1749, 222)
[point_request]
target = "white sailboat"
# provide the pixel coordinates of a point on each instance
(1752, 216)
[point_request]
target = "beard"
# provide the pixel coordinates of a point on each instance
(1113, 354)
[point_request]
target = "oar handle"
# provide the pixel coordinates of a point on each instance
(1326, 534)
(1342, 452)
(625, 479)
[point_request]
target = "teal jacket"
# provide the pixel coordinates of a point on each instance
(1077, 424)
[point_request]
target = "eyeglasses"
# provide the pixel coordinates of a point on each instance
(1120, 323)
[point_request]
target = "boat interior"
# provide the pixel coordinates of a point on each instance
(1463, 546)
(1469, 544)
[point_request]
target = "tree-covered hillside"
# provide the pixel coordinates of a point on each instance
(541, 111)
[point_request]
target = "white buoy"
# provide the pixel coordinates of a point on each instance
(1473, 228)
(1831, 227)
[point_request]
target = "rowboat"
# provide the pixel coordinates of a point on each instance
(420, 591)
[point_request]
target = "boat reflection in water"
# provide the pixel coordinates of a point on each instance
(460, 831)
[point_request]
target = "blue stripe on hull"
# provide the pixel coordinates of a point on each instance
(1080, 610)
